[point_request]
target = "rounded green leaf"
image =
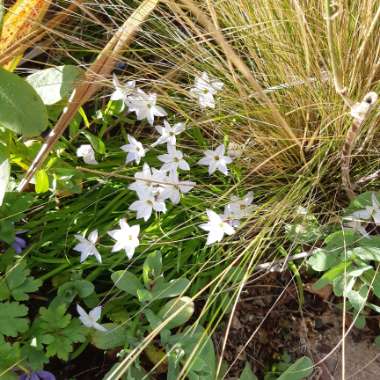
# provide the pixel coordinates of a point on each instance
(247, 373)
(127, 282)
(21, 109)
(182, 308)
(323, 260)
(42, 181)
(56, 83)
(115, 336)
(170, 289)
(301, 369)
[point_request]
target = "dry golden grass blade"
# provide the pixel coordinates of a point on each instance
(21, 19)
(91, 82)
(37, 34)
(240, 66)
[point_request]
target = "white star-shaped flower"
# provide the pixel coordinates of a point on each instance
(122, 92)
(205, 89)
(144, 105)
(86, 247)
(173, 160)
(216, 227)
(216, 160)
(174, 187)
(143, 183)
(356, 225)
(87, 153)
(369, 212)
(168, 133)
(146, 204)
(126, 238)
(148, 181)
(239, 208)
(91, 319)
(134, 149)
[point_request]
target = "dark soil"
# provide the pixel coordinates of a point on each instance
(92, 364)
(269, 322)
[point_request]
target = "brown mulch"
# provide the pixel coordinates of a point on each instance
(269, 322)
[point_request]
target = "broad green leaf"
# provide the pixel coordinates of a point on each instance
(12, 319)
(69, 290)
(5, 172)
(332, 274)
(21, 108)
(9, 356)
(305, 229)
(358, 271)
(152, 318)
(301, 369)
(198, 340)
(42, 181)
(358, 299)
(115, 336)
(198, 364)
(170, 289)
(152, 267)
(34, 358)
(7, 231)
(56, 83)
(12, 210)
(95, 142)
(360, 202)
(340, 240)
(338, 285)
(127, 282)
(323, 260)
(85, 288)
(144, 295)
(368, 253)
(374, 281)
(18, 283)
(135, 372)
(173, 359)
(8, 375)
(360, 321)
(373, 241)
(182, 308)
(54, 318)
(15, 205)
(247, 373)
(58, 332)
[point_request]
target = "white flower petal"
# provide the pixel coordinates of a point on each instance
(95, 313)
(99, 327)
(93, 236)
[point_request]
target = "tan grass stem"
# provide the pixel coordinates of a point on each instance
(331, 14)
